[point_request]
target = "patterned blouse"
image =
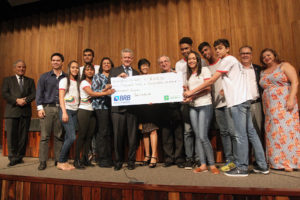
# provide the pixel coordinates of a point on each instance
(98, 84)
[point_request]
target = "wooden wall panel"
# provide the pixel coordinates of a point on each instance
(150, 28)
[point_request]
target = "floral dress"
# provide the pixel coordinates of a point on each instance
(281, 125)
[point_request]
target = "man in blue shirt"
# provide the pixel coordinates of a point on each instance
(48, 106)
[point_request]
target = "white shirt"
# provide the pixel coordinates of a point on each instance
(95, 66)
(181, 66)
(194, 81)
(219, 100)
(72, 97)
(85, 99)
(251, 82)
(18, 79)
(234, 81)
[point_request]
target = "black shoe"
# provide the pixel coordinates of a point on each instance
(167, 164)
(20, 161)
(197, 163)
(42, 165)
(131, 166)
(88, 163)
(12, 163)
(145, 163)
(189, 164)
(55, 163)
(117, 167)
(181, 165)
(77, 164)
(153, 165)
(105, 165)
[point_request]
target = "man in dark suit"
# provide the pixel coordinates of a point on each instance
(171, 125)
(19, 92)
(124, 119)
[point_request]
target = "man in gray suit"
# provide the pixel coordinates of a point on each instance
(18, 91)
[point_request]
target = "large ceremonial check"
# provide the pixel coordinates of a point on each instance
(145, 89)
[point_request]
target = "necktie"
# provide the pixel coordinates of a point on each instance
(126, 70)
(21, 83)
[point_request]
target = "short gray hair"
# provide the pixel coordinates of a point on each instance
(245, 46)
(126, 50)
(158, 60)
(17, 61)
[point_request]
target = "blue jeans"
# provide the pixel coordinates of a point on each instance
(200, 118)
(244, 129)
(225, 124)
(70, 135)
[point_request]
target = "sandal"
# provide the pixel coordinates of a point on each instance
(200, 169)
(63, 166)
(214, 170)
(153, 165)
(288, 169)
(146, 162)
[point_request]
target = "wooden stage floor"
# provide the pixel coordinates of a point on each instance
(158, 183)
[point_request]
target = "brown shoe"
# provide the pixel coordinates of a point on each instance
(214, 170)
(199, 170)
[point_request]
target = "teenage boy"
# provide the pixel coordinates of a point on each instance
(223, 118)
(185, 45)
(88, 58)
(238, 101)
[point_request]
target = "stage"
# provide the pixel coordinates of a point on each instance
(24, 181)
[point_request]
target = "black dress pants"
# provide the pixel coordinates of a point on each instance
(17, 135)
(124, 123)
(172, 140)
(103, 137)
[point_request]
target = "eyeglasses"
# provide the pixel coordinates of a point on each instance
(246, 53)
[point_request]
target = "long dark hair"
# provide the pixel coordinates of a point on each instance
(101, 63)
(83, 77)
(77, 77)
(277, 59)
(199, 66)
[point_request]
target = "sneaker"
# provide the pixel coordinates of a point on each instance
(189, 164)
(237, 172)
(260, 170)
(227, 167)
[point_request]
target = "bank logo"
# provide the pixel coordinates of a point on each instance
(166, 98)
(122, 98)
(116, 98)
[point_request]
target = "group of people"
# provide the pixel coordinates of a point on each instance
(251, 104)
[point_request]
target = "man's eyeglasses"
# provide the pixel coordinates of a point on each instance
(246, 53)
